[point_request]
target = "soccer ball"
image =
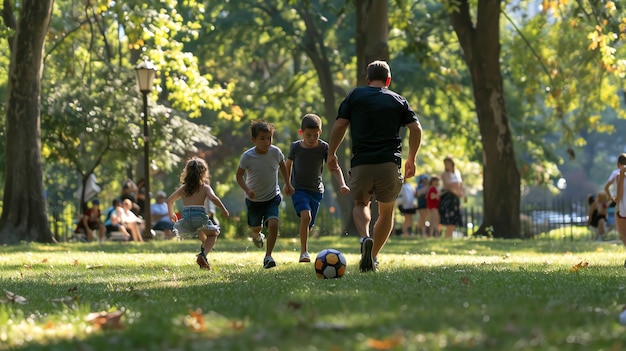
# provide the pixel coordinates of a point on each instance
(329, 264)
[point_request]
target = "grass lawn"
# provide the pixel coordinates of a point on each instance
(429, 294)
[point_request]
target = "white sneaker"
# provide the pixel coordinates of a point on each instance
(305, 257)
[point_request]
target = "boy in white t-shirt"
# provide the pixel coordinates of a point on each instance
(257, 175)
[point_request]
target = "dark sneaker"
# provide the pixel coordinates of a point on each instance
(203, 262)
(258, 242)
(367, 261)
(268, 262)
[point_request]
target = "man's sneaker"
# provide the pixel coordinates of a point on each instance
(258, 242)
(367, 261)
(305, 257)
(268, 262)
(203, 262)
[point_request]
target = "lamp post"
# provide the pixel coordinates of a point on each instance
(145, 80)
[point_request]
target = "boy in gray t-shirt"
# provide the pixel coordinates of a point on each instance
(261, 165)
(305, 163)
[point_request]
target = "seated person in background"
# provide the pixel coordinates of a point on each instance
(91, 221)
(130, 191)
(130, 220)
(112, 221)
(160, 215)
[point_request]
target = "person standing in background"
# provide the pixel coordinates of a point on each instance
(450, 198)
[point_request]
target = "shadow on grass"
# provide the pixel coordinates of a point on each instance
(412, 306)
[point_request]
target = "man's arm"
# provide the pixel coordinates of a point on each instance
(415, 140)
(338, 174)
(336, 138)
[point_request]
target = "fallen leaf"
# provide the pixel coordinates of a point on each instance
(579, 265)
(106, 320)
(75, 263)
(94, 267)
(465, 281)
(49, 275)
(27, 266)
(44, 260)
(72, 289)
(386, 344)
(195, 321)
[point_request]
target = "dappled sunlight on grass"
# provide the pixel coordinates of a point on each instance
(428, 294)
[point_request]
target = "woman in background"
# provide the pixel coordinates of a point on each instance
(450, 198)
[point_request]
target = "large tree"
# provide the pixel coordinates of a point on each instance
(479, 38)
(24, 208)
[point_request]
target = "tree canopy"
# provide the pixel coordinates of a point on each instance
(223, 64)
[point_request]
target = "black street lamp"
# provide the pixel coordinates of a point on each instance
(145, 80)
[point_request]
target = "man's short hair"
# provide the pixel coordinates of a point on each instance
(311, 121)
(621, 159)
(378, 70)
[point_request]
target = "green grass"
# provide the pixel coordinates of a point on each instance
(430, 294)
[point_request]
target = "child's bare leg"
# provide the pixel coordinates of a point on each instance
(272, 228)
(210, 238)
(256, 232)
(305, 222)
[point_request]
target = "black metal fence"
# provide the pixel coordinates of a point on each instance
(536, 218)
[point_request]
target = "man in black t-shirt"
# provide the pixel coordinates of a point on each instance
(374, 115)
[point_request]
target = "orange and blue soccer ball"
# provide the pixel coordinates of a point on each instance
(329, 264)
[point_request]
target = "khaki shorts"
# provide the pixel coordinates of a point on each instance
(383, 180)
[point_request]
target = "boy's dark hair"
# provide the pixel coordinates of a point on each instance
(311, 121)
(433, 179)
(378, 70)
(259, 126)
(621, 159)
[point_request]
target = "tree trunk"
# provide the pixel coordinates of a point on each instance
(372, 34)
(24, 209)
(480, 44)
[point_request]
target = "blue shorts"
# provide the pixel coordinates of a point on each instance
(194, 219)
(304, 200)
(260, 212)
